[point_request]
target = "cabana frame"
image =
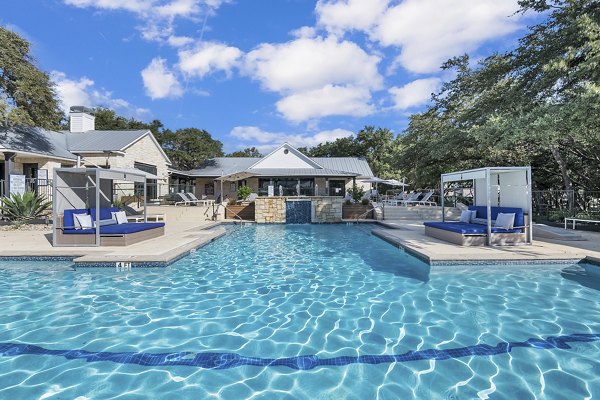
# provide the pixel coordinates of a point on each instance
(71, 190)
(497, 187)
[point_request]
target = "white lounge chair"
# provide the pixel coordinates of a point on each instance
(183, 200)
(423, 201)
(411, 198)
(204, 201)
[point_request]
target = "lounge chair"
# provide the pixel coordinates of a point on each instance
(186, 201)
(425, 200)
(194, 200)
(411, 198)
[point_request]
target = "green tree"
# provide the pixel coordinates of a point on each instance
(537, 104)
(247, 152)
(188, 148)
(27, 96)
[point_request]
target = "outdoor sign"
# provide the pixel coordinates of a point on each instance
(271, 191)
(17, 184)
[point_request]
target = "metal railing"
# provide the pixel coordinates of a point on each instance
(555, 205)
(42, 187)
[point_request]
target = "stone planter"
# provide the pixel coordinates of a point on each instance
(354, 211)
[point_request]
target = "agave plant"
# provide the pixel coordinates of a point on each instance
(24, 207)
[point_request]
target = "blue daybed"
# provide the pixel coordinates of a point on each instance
(475, 232)
(111, 234)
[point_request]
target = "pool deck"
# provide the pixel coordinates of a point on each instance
(410, 236)
(187, 230)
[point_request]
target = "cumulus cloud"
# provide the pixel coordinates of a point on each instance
(415, 93)
(428, 32)
(207, 58)
(327, 101)
(83, 92)
(310, 63)
(159, 81)
(346, 15)
(317, 77)
(264, 141)
(179, 41)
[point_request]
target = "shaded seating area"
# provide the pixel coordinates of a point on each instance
(83, 214)
(501, 214)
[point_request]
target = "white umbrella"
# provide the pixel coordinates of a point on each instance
(374, 180)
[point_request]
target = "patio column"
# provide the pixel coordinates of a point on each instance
(9, 166)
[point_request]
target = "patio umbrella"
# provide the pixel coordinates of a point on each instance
(395, 182)
(374, 180)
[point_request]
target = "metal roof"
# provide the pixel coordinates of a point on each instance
(332, 166)
(35, 140)
(281, 172)
(93, 141)
(357, 165)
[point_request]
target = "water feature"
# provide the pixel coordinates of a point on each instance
(298, 211)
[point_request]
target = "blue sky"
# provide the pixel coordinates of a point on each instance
(260, 72)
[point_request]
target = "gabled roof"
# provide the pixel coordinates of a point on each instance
(36, 141)
(333, 166)
(92, 141)
(101, 141)
(288, 154)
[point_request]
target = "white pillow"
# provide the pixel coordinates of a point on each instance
(465, 216)
(505, 220)
(84, 221)
(120, 217)
(76, 223)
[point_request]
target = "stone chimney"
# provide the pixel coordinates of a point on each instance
(81, 119)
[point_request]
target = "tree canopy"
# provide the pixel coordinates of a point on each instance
(538, 104)
(247, 152)
(27, 95)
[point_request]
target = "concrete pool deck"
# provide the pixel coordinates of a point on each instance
(187, 229)
(410, 235)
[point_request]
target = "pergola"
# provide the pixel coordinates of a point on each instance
(497, 187)
(84, 188)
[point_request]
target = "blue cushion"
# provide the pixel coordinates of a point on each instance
(118, 229)
(68, 220)
(482, 213)
(105, 213)
(467, 229)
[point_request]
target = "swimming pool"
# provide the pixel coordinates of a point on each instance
(302, 312)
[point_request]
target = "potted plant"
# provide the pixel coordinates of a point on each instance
(243, 192)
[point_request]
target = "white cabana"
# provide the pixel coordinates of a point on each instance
(88, 188)
(497, 187)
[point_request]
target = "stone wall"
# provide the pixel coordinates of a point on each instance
(270, 210)
(327, 209)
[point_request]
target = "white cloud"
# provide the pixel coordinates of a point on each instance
(347, 15)
(327, 101)
(82, 92)
(429, 32)
(311, 63)
(207, 58)
(179, 41)
(415, 93)
(159, 81)
(156, 16)
(264, 141)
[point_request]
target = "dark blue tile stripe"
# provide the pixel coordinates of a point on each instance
(232, 360)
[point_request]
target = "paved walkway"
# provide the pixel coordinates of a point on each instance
(410, 234)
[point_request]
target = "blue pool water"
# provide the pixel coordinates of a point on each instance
(299, 312)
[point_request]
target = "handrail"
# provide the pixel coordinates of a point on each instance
(366, 212)
(225, 208)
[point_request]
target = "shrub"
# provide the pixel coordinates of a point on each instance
(121, 203)
(243, 192)
(356, 192)
(26, 207)
(365, 202)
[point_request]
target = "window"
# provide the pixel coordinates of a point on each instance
(289, 186)
(151, 184)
